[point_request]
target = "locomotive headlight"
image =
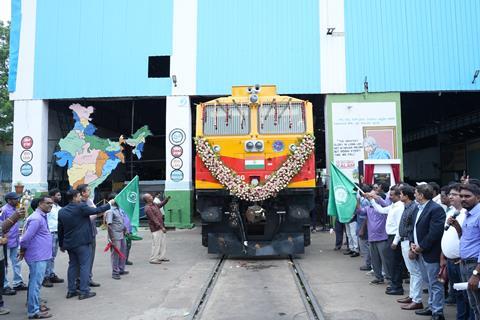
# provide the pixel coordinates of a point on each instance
(253, 98)
(216, 148)
(259, 145)
(254, 182)
(249, 146)
(292, 147)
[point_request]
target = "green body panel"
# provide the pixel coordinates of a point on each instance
(178, 211)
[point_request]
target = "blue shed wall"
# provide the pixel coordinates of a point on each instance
(412, 45)
(266, 42)
(94, 48)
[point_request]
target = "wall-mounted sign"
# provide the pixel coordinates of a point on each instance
(26, 142)
(26, 169)
(177, 136)
(176, 163)
(177, 151)
(176, 175)
(26, 156)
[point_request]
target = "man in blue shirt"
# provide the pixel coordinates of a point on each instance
(470, 243)
(36, 243)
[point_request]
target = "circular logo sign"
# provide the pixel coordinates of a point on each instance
(176, 175)
(26, 156)
(132, 197)
(26, 169)
(26, 142)
(341, 195)
(177, 136)
(278, 146)
(176, 163)
(177, 151)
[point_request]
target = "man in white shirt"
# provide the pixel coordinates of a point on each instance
(52, 220)
(451, 249)
(393, 252)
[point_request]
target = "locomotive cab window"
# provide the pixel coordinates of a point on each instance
(226, 119)
(281, 118)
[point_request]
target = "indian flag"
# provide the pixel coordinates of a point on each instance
(254, 163)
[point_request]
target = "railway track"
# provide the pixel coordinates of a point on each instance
(256, 289)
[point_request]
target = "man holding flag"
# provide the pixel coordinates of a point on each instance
(116, 237)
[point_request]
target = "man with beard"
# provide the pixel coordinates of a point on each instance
(470, 243)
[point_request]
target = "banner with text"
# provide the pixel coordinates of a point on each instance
(361, 127)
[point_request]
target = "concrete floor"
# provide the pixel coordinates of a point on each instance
(168, 291)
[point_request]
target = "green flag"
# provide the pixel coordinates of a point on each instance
(342, 199)
(129, 200)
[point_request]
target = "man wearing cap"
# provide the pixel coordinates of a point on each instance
(4, 228)
(13, 237)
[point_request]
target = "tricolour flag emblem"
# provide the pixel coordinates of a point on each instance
(254, 163)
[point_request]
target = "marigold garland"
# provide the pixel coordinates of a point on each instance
(277, 181)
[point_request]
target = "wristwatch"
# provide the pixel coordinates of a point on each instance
(475, 272)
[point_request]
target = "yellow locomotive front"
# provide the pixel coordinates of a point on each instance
(255, 172)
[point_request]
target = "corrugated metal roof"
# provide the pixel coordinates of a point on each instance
(242, 42)
(412, 45)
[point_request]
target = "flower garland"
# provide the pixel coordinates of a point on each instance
(277, 181)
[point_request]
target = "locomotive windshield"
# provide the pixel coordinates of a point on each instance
(281, 118)
(226, 119)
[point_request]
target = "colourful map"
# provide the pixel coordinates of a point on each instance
(91, 159)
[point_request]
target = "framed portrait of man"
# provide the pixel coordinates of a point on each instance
(379, 142)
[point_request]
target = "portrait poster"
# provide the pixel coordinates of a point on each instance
(360, 128)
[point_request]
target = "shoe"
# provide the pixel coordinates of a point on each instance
(47, 283)
(44, 308)
(93, 284)
(124, 272)
(72, 294)
(395, 292)
(20, 287)
(424, 312)
(4, 311)
(129, 263)
(40, 315)
(355, 254)
(55, 279)
(337, 248)
(377, 281)
(86, 295)
(438, 316)
(405, 300)
(9, 291)
(116, 276)
(165, 260)
(346, 253)
(370, 273)
(155, 262)
(365, 268)
(412, 306)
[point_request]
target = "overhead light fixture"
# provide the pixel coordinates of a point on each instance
(475, 76)
(330, 31)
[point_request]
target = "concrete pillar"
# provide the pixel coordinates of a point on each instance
(30, 144)
(178, 184)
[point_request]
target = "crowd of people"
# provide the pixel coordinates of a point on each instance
(423, 235)
(71, 229)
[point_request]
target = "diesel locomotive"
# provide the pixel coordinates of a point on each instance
(255, 172)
